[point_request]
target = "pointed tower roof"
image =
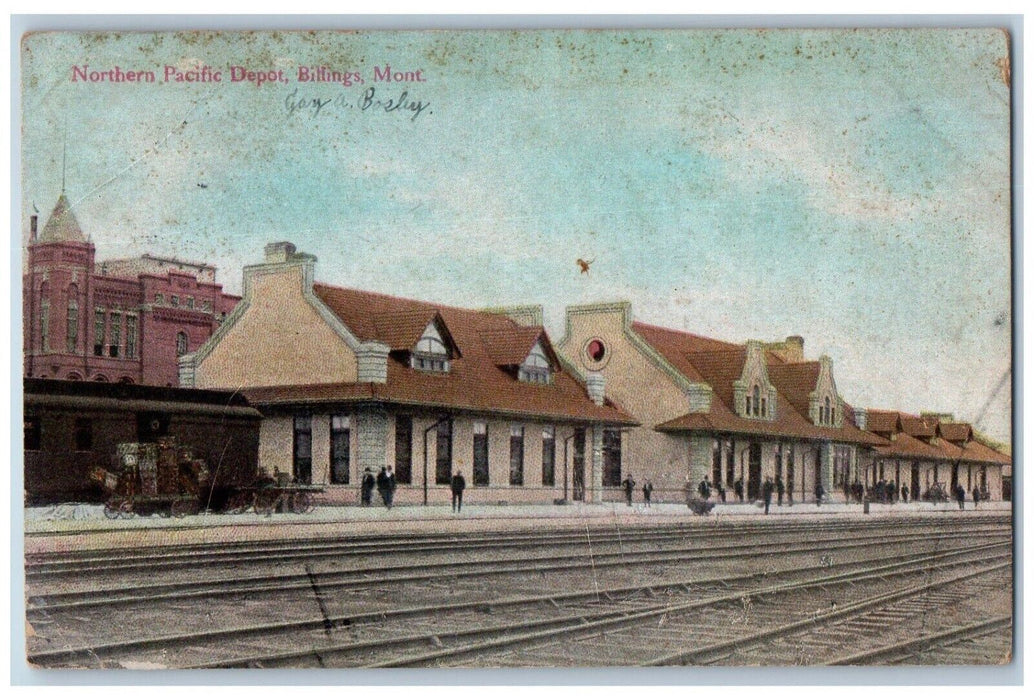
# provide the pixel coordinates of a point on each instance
(61, 226)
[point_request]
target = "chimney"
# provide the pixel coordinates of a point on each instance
(33, 227)
(861, 418)
(595, 384)
(279, 252)
(372, 358)
(794, 348)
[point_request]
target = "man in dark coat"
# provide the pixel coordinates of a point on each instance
(737, 488)
(766, 493)
(819, 493)
(960, 496)
(367, 486)
(892, 491)
(628, 484)
(458, 483)
(904, 494)
(704, 489)
(780, 488)
(383, 484)
(647, 492)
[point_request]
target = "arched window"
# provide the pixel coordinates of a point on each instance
(72, 322)
(74, 377)
(100, 378)
(757, 400)
(181, 344)
(125, 380)
(44, 317)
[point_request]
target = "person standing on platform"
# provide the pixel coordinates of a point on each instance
(458, 483)
(892, 492)
(392, 485)
(976, 498)
(738, 489)
(647, 491)
(382, 486)
(721, 492)
(366, 487)
(780, 489)
(819, 493)
(766, 493)
(960, 496)
(904, 494)
(629, 484)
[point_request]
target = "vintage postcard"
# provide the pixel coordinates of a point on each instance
(512, 349)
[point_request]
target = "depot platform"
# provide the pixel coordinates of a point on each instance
(79, 526)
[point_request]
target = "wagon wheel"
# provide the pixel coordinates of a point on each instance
(265, 501)
(111, 509)
(238, 503)
(184, 507)
(125, 509)
(301, 502)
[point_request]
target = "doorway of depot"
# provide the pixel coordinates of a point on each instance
(754, 472)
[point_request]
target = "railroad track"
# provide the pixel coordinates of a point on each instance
(41, 602)
(985, 642)
(470, 629)
(148, 559)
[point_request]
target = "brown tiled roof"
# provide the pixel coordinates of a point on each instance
(795, 382)
(719, 364)
(878, 421)
(511, 346)
(475, 382)
(928, 438)
(955, 432)
(917, 427)
(401, 331)
(904, 445)
(979, 452)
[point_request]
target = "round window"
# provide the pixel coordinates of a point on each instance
(595, 354)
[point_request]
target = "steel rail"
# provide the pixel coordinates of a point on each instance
(859, 573)
(409, 573)
(126, 560)
(915, 646)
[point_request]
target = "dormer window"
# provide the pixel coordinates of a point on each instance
(757, 402)
(536, 368)
(431, 354)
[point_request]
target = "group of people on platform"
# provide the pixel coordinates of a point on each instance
(384, 482)
(629, 487)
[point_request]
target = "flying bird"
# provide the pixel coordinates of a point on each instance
(584, 264)
(202, 185)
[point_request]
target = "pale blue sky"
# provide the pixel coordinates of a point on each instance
(848, 186)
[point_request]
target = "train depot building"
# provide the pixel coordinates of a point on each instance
(721, 411)
(350, 380)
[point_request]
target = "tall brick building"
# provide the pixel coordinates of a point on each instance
(112, 321)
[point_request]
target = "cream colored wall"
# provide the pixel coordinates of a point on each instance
(321, 448)
(280, 339)
(643, 390)
(276, 444)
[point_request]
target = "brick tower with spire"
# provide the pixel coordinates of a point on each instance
(124, 320)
